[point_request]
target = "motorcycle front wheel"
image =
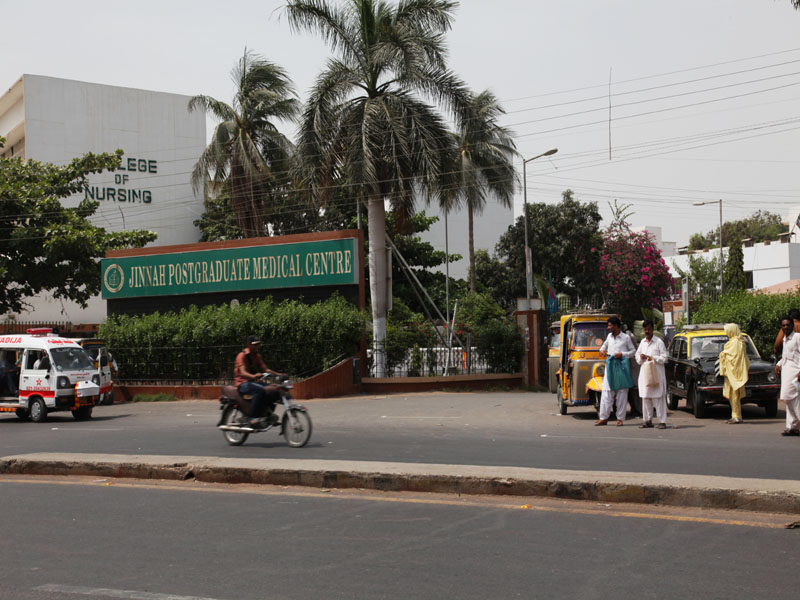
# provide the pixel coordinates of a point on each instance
(296, 430)
(233, 416)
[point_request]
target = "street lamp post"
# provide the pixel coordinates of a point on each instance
(528, 266)
(720, 236)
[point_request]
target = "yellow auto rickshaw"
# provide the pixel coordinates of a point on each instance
(554, 355)
(582, 334)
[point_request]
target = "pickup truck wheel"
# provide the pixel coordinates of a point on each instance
(771, 408)
(562, 407)
(697, 402)
(673, 402)
(38, 410)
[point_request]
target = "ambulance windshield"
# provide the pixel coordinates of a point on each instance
(71, 359)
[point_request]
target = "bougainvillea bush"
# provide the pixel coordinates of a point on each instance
(635, 275)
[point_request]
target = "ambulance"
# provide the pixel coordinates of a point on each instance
(42, 373)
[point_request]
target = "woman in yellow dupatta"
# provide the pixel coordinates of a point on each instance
(734, 366)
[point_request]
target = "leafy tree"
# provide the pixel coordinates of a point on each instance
(634, 274)
(703, 276)
(485, 151)
(425, 261)
(760, 226)
(366, 121)
(494, 277)
(45, 246)
(733, 276)
(219, 222)
(563, 238)
(247, 147)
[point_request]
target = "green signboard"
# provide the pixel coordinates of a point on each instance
(301, 264)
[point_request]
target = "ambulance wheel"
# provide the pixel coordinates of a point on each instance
(562, 406)
(21, 414)
(83, 413)
(38, 410)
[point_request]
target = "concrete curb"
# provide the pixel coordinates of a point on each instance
(759, 495)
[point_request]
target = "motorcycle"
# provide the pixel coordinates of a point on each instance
(295, 423)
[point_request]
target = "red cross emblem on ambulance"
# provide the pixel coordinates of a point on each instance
(39, 381)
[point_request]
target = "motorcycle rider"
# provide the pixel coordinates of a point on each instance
(248, 368)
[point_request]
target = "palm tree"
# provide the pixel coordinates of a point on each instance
(247, 147)
(485, 154)
(367, 119)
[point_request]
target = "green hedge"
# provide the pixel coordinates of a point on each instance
(202, 343)
(757, 314)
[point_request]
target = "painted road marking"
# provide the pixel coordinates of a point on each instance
(410, 417)
(111, 593)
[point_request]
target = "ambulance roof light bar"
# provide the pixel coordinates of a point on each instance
(39, 331)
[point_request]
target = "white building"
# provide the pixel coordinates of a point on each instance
(666, 248)
(765, 263)
(55, 120)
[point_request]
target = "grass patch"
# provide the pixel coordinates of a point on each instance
(153, 398)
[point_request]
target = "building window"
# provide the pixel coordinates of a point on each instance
(748, 276)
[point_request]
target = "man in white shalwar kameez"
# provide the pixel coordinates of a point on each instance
(618, 345)
(789, 369)
(654, 398)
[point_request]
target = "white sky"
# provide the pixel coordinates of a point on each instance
(532, 54)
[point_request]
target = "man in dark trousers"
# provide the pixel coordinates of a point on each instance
(248, 369)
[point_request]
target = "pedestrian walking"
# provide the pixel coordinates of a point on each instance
(618, 349)
(651, 356)
(734, 366)
(788, 368)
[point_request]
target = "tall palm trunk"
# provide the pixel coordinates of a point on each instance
(471, 247)
(376, 223)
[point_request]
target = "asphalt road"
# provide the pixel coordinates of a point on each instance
(76, 538)
(512, 429)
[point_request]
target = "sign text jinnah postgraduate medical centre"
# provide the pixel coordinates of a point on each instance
(301, 264)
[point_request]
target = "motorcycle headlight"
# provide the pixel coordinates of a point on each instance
(771, 377)
(63, 383)
(711, 379)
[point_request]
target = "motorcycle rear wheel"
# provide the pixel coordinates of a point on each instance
(296, 435)
(233, 416)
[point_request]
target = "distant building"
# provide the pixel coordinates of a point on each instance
(666, 248)
(55, 120)
(765, 263)
(489, 225)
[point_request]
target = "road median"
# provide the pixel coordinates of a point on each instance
(760, 495)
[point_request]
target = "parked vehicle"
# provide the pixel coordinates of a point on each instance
(49, 373)
(582, 334)
(295, 422)
(554, 355)
(96, 348)
(691, 371)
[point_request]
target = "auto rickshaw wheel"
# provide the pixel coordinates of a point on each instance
(636, 401)
(596, 401)
(562, 406)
